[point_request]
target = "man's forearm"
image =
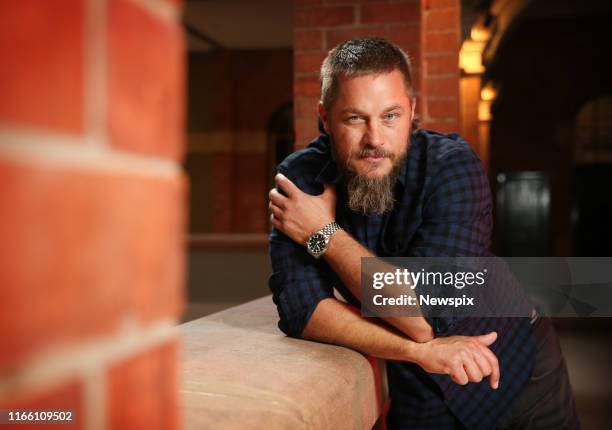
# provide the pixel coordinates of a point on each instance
(465, 359)
(340, 324)
(344, 256)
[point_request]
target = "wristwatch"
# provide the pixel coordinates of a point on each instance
(318, 242)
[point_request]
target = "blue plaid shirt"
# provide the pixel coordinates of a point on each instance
(443, 209)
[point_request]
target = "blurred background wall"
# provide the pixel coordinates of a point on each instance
(92, 210)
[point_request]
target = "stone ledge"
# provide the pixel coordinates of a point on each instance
(240, 371)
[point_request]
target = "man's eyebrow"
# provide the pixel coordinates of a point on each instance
(351, 109)
(394, 107)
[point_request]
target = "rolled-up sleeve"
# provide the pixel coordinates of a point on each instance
(298, 283)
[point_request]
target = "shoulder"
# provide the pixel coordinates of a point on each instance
(449, 158)
(453, 168)
(442, 147)
(304, 166)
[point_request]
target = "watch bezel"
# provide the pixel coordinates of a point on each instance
(312, 252)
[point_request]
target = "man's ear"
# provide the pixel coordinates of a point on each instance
(413, 103)
(323, 116)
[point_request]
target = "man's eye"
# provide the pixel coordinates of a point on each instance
(354, 118)
(391, 116)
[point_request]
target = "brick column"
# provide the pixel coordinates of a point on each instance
(439, 107)
(92, 209)
(428, 30)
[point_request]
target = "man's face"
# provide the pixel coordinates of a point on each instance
(369, 123)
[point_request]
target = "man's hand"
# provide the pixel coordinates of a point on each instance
(464, 358)
(299, 214)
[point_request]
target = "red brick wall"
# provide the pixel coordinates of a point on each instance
(233, 94)
(92, 209)
(441, 24)
(428, 30)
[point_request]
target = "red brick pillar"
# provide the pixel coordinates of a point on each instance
(428, 30)
(441, 24)
(92, 209)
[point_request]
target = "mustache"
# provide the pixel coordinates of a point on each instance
(374, 152)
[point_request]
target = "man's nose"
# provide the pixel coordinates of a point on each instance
(374, 135)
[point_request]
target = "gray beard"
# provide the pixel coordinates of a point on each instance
(370, 195)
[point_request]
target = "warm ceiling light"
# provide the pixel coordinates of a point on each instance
(484, 110)
(488, 92)
(470, 57)
(480, 33)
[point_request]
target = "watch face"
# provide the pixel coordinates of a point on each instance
(317, 243)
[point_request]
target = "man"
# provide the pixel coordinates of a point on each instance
(373, 185)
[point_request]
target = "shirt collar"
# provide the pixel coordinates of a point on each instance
(329, 174)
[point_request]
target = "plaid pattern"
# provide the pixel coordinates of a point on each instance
(443, 209)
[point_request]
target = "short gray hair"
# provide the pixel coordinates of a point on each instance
(359, 57)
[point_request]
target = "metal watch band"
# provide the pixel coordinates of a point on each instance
(330, 228)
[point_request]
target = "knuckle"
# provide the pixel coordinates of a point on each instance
(462, 380)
